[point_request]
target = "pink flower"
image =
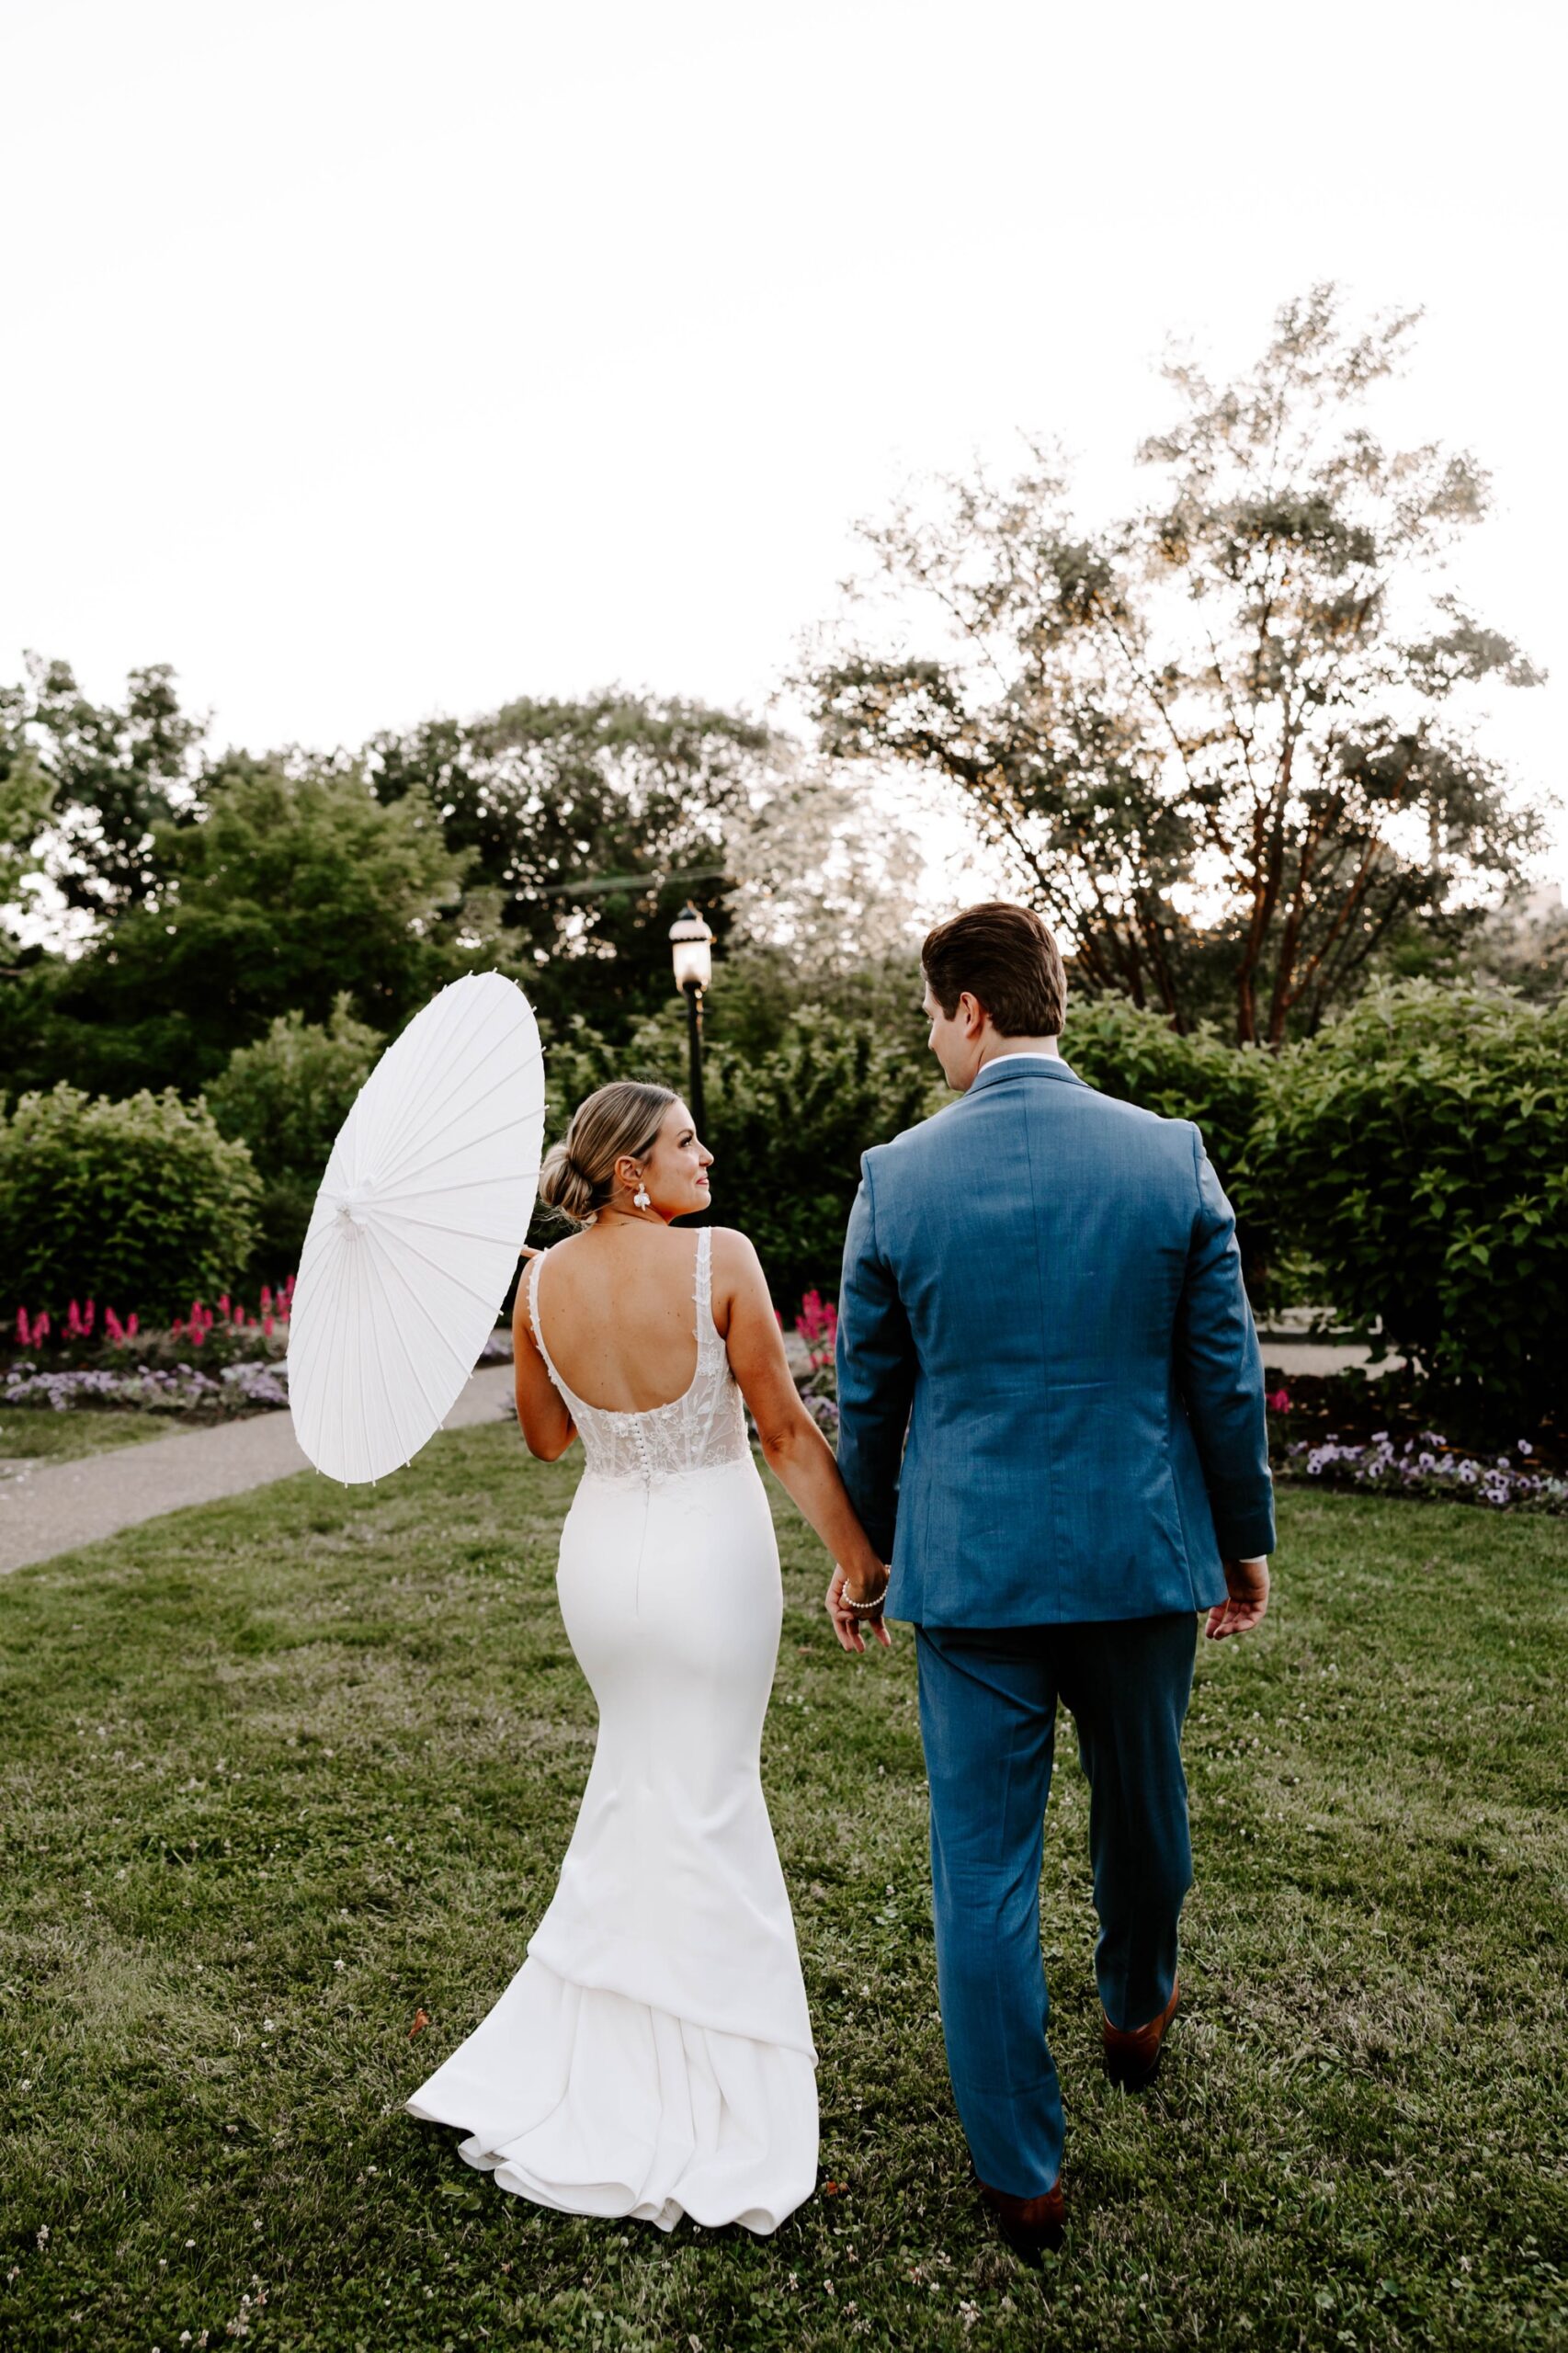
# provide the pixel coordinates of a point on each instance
(223, 1302)
(130, 1328)
(266, 1320)
(267, 1299)
(24, 1337)
(1279, 1403)
(73, 1327)
(817, 1325)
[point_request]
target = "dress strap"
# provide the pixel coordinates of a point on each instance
(707, 1334)
(534, 1264)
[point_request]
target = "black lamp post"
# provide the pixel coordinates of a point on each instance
(691, 944)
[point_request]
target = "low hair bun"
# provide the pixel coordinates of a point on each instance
(564, 1187)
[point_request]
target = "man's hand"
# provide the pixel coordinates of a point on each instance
(1247, 1582)
(852, 1631)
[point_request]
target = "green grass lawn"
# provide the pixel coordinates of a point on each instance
(38, 1434)
(283, 1771)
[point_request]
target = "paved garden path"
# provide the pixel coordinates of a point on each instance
(57, 1505)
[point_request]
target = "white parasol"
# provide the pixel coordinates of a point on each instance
(417, 1230)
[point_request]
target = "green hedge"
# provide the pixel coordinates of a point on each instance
(1419, 1146)
(141, 1205)
(1417, 1149)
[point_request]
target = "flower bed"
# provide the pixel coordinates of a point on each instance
(1345, 1430)
(99, 1360)
(156, 1389)
(90, 1338)
(1427, 1466)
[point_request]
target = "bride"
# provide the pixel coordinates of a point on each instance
(652, 2056)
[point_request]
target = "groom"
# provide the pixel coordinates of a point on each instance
(1052, 1425)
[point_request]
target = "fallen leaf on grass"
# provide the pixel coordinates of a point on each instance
(421, 2018)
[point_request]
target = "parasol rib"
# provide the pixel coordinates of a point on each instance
(445, 1337)
(430, 1112)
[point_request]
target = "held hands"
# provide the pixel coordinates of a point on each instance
(851, 1629)
(1247, 1582)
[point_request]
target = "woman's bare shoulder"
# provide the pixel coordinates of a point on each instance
(733, 1252)
(739, 1283)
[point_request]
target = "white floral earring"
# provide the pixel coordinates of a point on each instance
(639, 1199)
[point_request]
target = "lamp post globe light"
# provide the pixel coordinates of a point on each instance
(691, 945)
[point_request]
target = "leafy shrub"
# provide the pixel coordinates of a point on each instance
(1137, 1057)
(1419, 1146)
(141, 1200)
(286, 1096)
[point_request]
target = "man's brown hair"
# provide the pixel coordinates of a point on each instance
(1007, 959)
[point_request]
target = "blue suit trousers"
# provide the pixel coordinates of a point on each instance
(988, 1722)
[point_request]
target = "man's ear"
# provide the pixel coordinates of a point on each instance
(974, 1014)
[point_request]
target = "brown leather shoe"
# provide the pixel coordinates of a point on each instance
(1133, 2056)
(1030, 2225)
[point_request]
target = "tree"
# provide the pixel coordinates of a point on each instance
(592, 822)
(25, 802)
(109, 772)
(1241, 704)
(284, 886)
(826, 877)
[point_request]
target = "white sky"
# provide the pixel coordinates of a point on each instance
(365, 360)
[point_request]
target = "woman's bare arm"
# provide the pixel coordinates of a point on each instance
(547, 1426)
(791, 1442)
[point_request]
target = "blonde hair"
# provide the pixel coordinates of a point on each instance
(578, 1175)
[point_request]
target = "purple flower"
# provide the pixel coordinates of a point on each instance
(1407, 1472)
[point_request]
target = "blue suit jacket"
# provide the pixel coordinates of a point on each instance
(1049, 1380)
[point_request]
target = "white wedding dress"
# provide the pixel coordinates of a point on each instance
(652, 2056)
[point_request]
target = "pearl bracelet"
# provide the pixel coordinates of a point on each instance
(864, 1608)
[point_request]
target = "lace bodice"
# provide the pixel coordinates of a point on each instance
(705, 1427)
